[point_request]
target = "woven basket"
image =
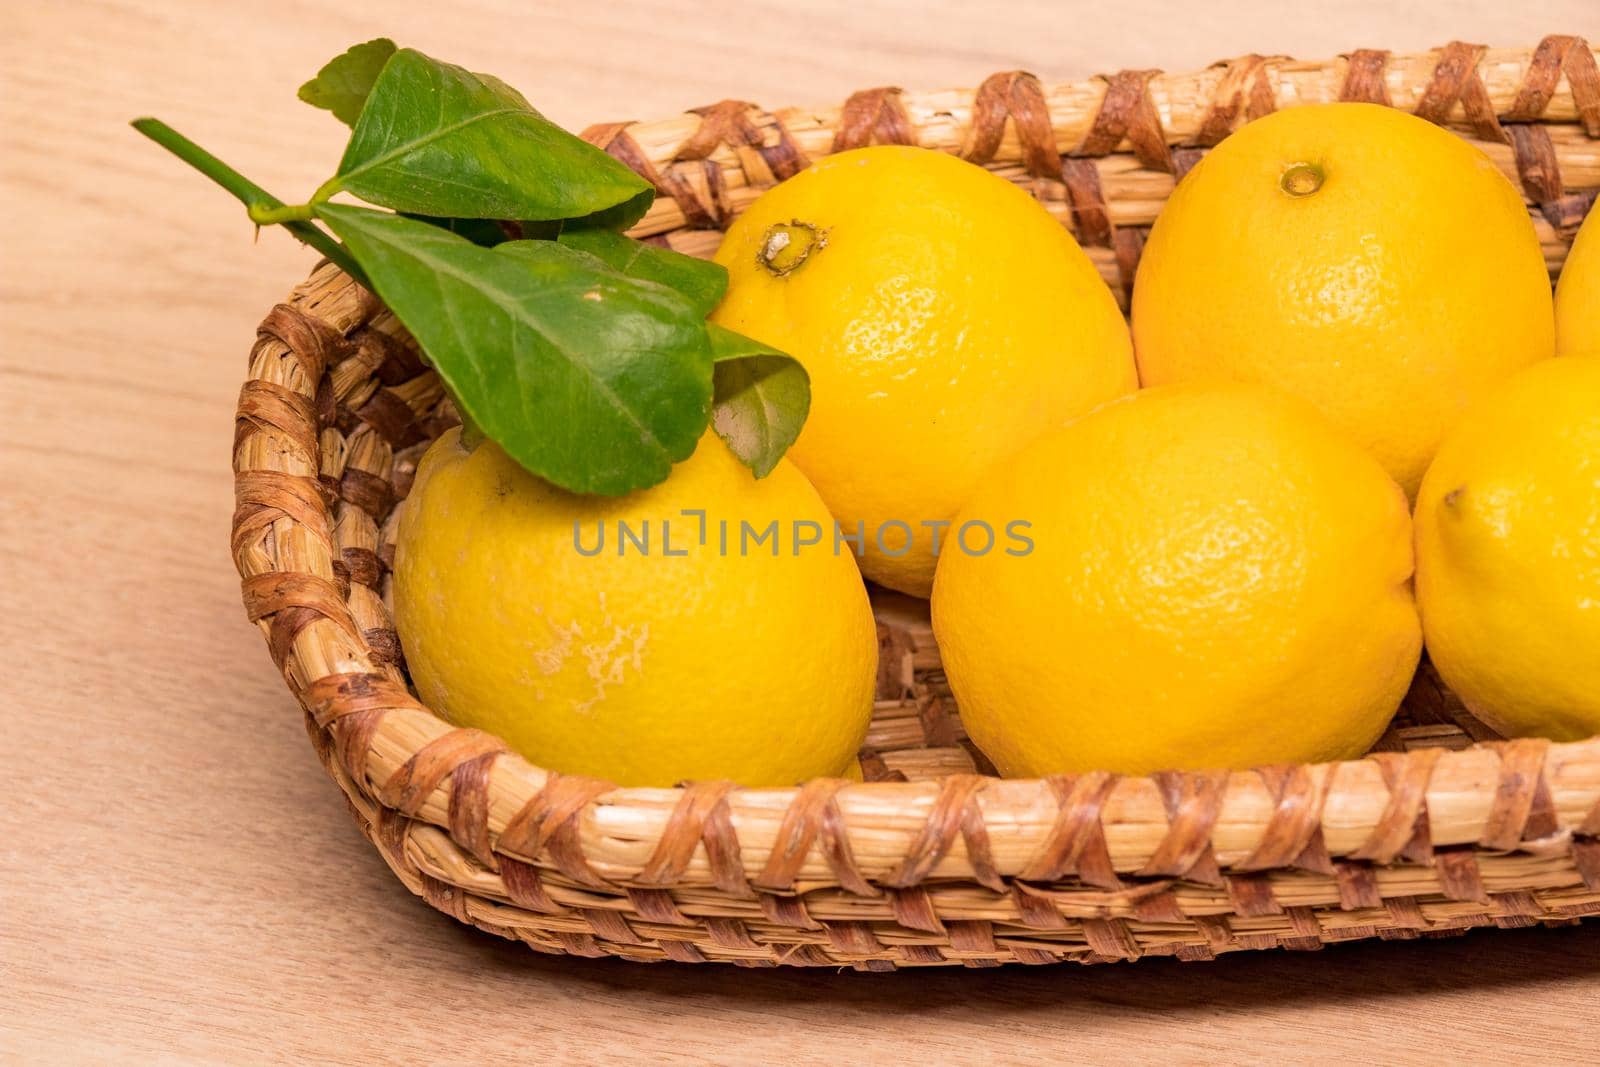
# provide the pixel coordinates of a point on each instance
(931, 861)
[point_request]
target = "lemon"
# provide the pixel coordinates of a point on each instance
(1357, 256)
(1218, 578)
(1508, 554)
(682, 659)
(945, 319)
(1578, 294)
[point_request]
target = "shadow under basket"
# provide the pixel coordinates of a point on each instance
(932, 861)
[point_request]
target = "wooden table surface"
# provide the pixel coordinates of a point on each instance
(180, 882)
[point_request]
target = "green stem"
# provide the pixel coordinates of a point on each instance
(472, 434)
(262, 215)
(326, 191)
(256, 200)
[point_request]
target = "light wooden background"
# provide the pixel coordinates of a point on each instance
(177, 879)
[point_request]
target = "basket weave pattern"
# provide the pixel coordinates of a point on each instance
(931, 861)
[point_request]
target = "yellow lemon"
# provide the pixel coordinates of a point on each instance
(945, 319)
(1218, 578)
(647, 639)
(1508, 554)
(1578, 294)
(1356, 256)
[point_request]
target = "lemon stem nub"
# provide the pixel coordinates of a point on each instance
(787, 245)
(1302, 179)
(472, 434)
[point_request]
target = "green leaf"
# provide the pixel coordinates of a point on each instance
(593, 380)
(343, 83)
(485, 232)
(617, 218)
(760, 398)
(700, 280)
(435, 139)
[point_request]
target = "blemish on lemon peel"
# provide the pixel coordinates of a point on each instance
(551, 660)
(786, 246)
(1302, 179)
(608, 661)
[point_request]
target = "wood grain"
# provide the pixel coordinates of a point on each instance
(177, 878)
